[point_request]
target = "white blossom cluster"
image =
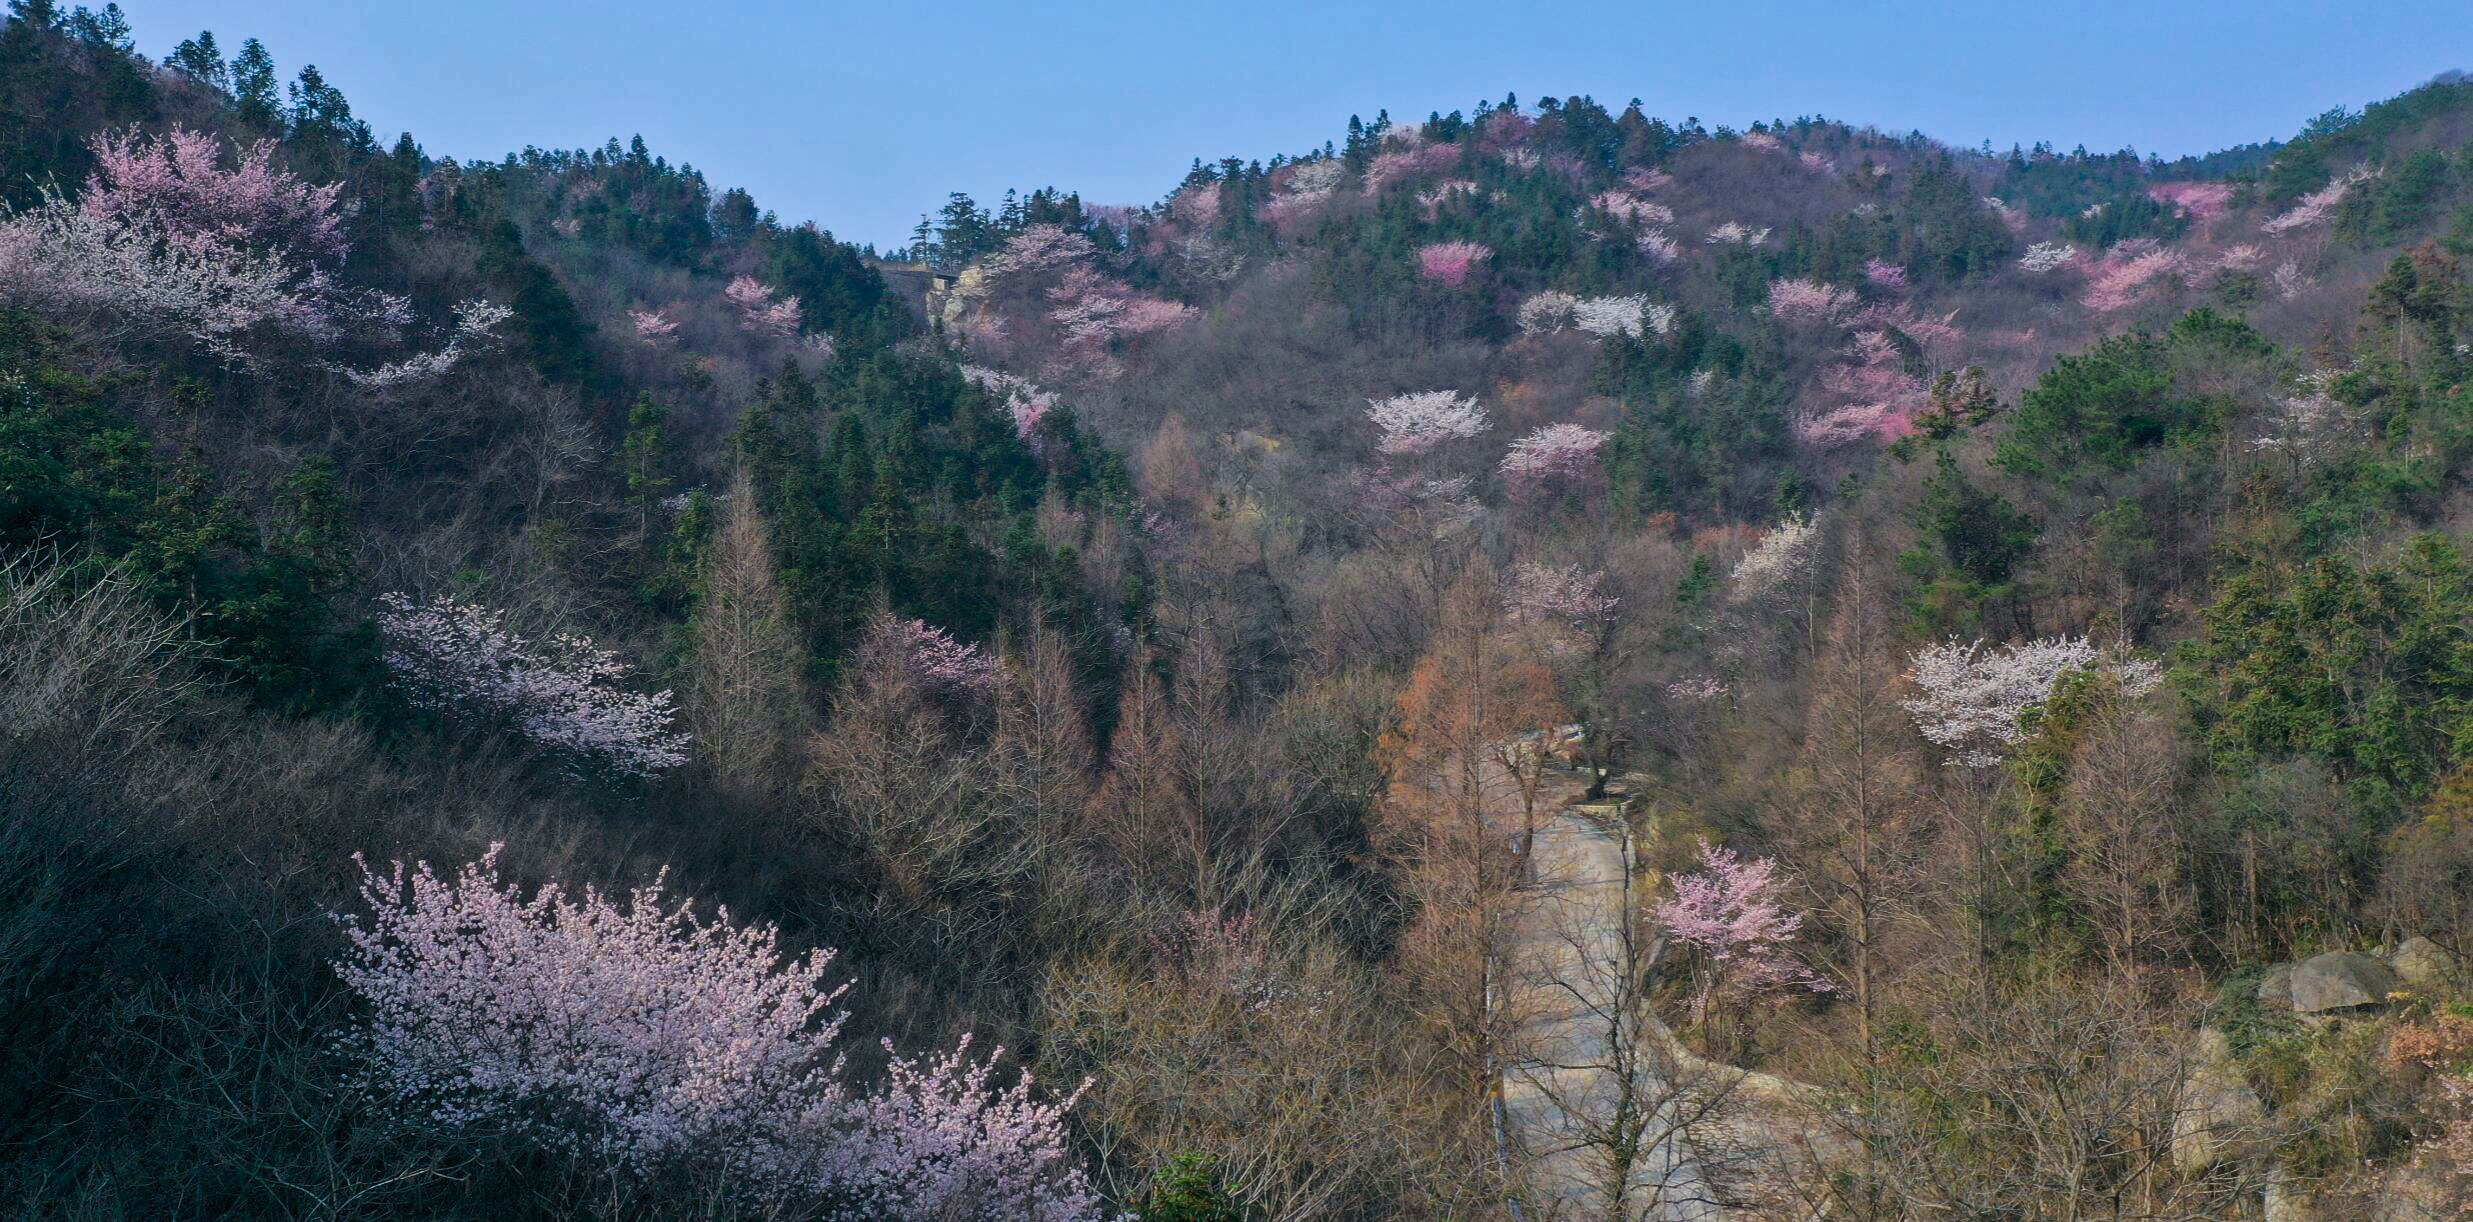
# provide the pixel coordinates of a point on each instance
(1780, 559)
(1975, 699)
(1418, 422)
(2046, 256)
(1553, 310)
(461, 659)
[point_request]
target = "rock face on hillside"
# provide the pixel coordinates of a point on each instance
(2221, 1118)
(2341, 980)
(2423, 965)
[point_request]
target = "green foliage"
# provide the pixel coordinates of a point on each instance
(2368, 668)
(1718, 443)
(1188, 1189)
(2101, 409)
(2123, 217)
(80, 476)
(549, 330)
(1981, 534)
(2394, 206)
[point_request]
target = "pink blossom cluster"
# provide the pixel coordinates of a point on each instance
(1039, 248)
(1026, 403)
(1632, 209)
(2202, 201)
(948, 669)
(634, 1032)
(2128, 274)
(1566, 598)
(1414, 161)
(177, 186)
(1884, 275)
(1974, 700)
(2319, 207)
(1197, 205)
(1732, 911)
(1762, 141)
(167, 243)
(1450, 263)
(758, 312)
(1418, 422)
(1877, 397)
(1552, 461)
(461, 659)
(1808, 301)
(1659, 246)
(654, 327)
(1816, 162)
(1644, 181)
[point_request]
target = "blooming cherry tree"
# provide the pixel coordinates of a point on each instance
(1552, 461)
(2128, 273)
(632, 1030)
(654, 327)
(1451, 263)
(2319, 207)
(177, 186)
(758, 311)
(1732, 911)
(1975, 699)
(2202, 201)
(2047, 256)
(1884, 275)
(1808, 301)
(1417, 423)
(1779, 560)
(461, 659)
(1563, 598)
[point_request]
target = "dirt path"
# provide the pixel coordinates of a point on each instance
(1591, 1095)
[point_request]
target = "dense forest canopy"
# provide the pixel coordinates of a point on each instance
(1539, 662)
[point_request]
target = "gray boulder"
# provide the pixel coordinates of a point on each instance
(2275, 989)
(2220, 1118)
(2423, 965)
(2341, 980)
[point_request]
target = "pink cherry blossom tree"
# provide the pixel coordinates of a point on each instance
(177, 185)
(759, 313)
(1560, 598)
(948, 670)
(2319, 207)
(2129, 273)
(654, 327)
(2203, 201)
(1731, 912)
(167, 243)
(1808, 301)
(1553, 461)
(635, 1033)
(460, 659)
(1884, 275)
(1451, 263)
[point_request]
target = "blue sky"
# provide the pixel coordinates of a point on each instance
(862, 116)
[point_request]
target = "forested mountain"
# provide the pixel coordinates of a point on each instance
(537, 689)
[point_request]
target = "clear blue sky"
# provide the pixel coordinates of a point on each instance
(862, 116)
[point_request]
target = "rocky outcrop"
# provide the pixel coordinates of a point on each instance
(2424, 966)
(2341, 980)
(2220, 1118)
